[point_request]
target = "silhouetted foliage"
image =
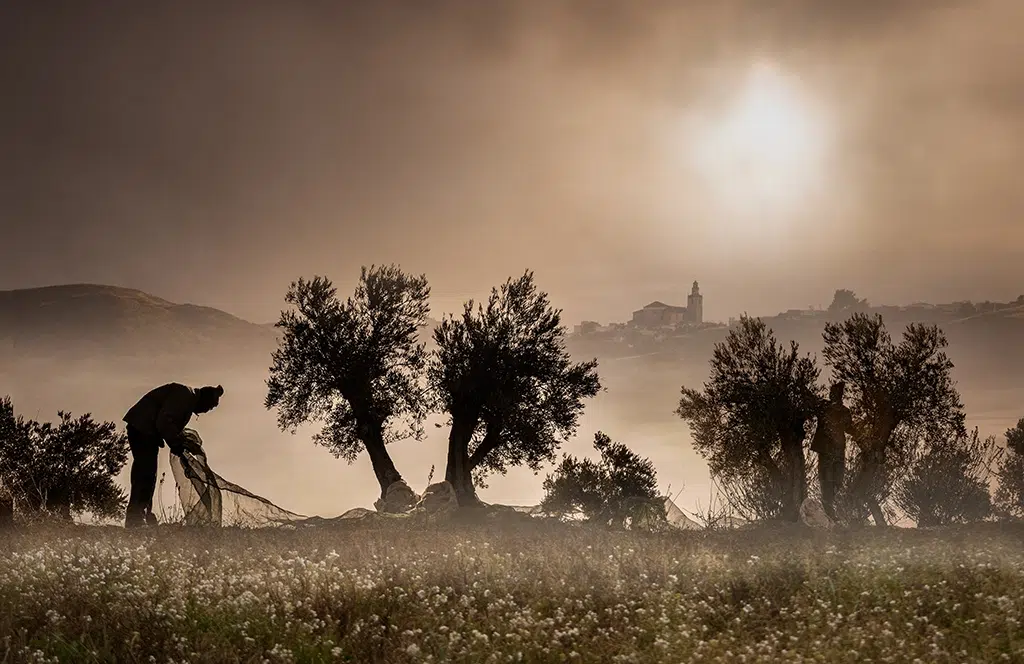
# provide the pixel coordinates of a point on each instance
(8, 432)
(749, 422)
(504, 377)
(948, 480)
(757, 495)
(899, 395)
(846, 301)
(1015, 437)
(1009, 497)
(64, 469)
(354, 365)
(619, 490)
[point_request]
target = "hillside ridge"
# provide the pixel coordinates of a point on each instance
(88, 319)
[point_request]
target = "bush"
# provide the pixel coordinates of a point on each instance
(948, 481)
(64, 469)
(618, 490)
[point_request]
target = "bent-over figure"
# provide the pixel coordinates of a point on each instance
(834, 422)
(159, 417)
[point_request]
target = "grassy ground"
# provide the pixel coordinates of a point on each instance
(514, 593)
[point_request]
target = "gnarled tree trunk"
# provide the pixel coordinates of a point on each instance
(383, 466)
(459, 469)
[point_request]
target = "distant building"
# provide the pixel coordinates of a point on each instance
(587, 327)
(659, 314)
(695, 305)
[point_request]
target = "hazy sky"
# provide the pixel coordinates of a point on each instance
(213, 152)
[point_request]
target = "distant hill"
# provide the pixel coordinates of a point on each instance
(88, 321)
(82, 320)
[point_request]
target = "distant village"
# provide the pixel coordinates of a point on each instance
(656, 319)
(659, 321)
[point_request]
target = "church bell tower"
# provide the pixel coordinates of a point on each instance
(695, 305)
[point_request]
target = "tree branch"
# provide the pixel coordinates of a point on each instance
(492, 439)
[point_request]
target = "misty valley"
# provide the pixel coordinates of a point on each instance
(431, 575)
(510, 331)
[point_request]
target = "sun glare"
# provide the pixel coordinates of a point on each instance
(764, 151)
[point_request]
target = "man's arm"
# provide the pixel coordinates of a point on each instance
(173, 417)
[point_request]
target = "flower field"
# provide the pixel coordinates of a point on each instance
(530, 592)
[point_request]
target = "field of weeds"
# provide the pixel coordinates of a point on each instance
(514, 593)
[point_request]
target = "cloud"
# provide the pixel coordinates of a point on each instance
(471, 140)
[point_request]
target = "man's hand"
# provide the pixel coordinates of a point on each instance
(181, 444)
(176, 445)
(193, 447)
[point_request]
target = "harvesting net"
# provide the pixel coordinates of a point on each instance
(207, 499)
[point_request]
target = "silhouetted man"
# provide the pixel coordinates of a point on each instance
(159, 417)
(834, 422)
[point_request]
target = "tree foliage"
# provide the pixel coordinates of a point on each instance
(899, 395)
(1015, 437)
(619, 490)
(355, 365)
(750, 419)
(66, 468)
(846, 301)
(503, 375)
(1009, 497)
(948, 480)
(757, 495)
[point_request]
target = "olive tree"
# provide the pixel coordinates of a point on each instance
(1009, 498)
(512, 393)
(900, 394)
(749, 420)
(355, 365)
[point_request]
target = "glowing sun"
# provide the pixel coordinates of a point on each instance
(764, 150)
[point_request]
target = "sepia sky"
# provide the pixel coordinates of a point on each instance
(213, 152)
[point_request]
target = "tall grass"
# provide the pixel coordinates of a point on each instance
(529, 592)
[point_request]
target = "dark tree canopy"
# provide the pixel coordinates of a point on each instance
(846, 301)
(355, 365)
(66, 468)
(948, 480)
(505, 378)
(1009, 498)
(1015, 437)
(899, 394)
(750, 417)
(621, 488)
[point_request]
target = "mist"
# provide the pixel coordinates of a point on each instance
(213, 154)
